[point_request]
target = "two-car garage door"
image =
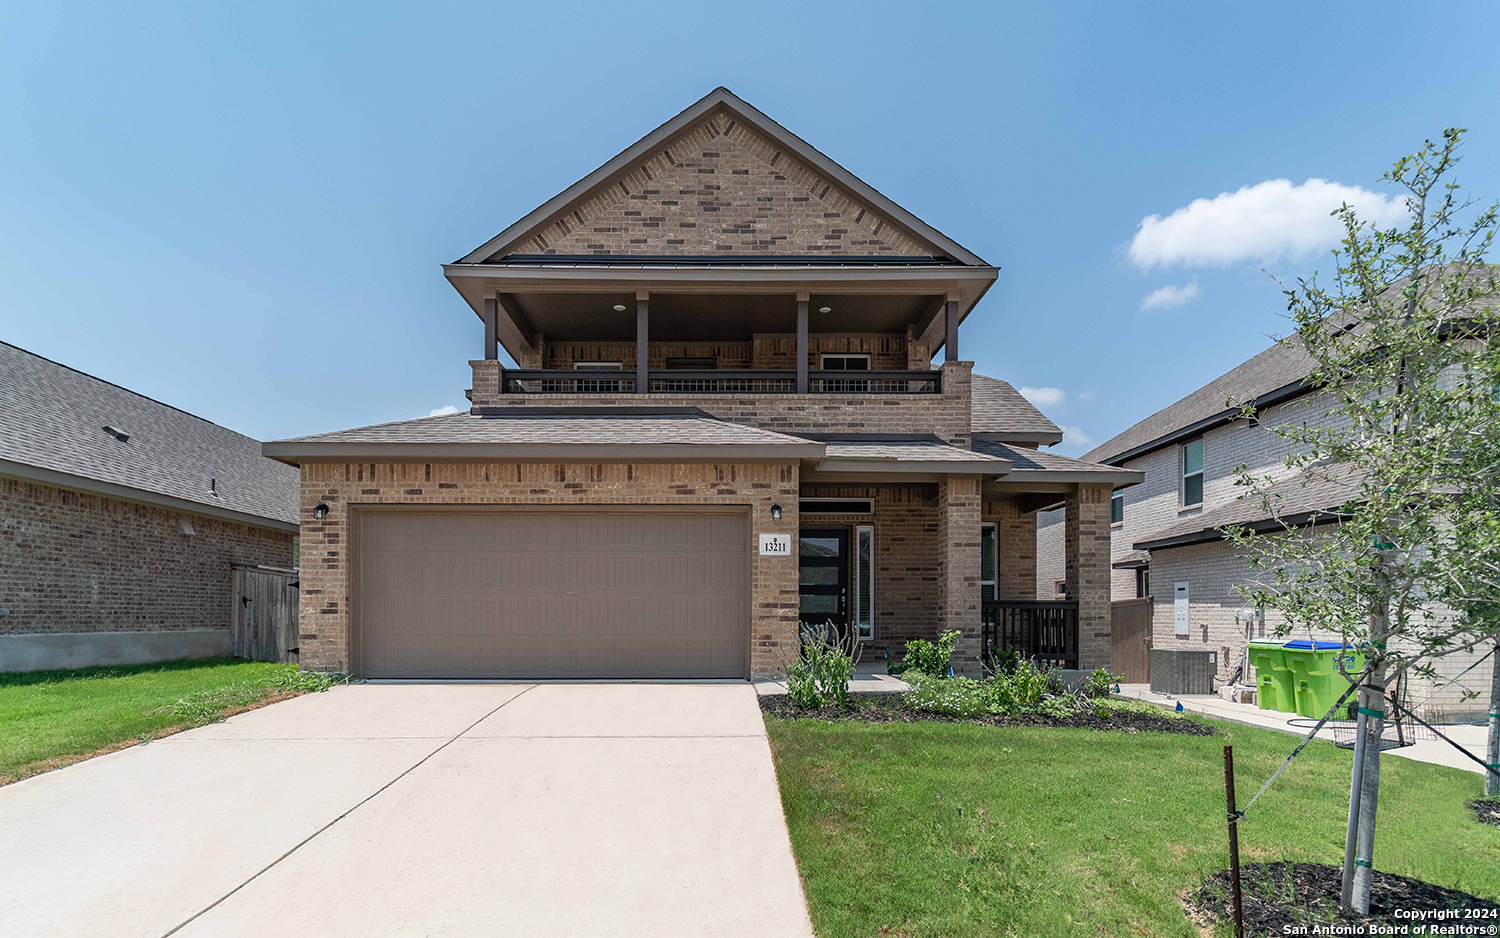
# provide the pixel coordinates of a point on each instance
(551, 593)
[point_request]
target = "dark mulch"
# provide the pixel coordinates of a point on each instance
(889, 708)
(1488, 812)
(1285, 898)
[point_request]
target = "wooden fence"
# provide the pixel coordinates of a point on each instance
(1130, 640)
(264, 626)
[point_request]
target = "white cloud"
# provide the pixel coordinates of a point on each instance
(1266, 221)
(1169, 296)
(1074, 438)
(443, 411)
(1043, 397)
(1085, 395)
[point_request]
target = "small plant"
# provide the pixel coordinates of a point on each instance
(926, 657)
(820, 673)
(1100, 683)
(203, 707)
(1004, 661)
(955, 697)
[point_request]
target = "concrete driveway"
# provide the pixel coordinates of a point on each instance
(418, 809)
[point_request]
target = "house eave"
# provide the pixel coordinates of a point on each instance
(1229, 415)
(1261, 526)
(298, 453)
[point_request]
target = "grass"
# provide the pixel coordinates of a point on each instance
(952, 830)
(49, 719)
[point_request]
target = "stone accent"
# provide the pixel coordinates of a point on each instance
(720, 188)
(1087, 544)
(77, 562)
(1016, 560)
(326, 544)
(958, 512)
(945, 414)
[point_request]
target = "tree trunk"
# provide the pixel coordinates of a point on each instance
(1492, 752)
(1373, 700)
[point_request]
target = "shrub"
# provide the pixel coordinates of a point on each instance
(1100, 683)
(927, 658)
(956, 697)
(821, 671)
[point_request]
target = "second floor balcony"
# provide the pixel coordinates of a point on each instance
(590, 381)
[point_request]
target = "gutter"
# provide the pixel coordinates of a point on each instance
(1270, 399)
(1215, 533)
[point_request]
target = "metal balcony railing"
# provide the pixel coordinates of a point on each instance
(1046, 632)
(725, 381)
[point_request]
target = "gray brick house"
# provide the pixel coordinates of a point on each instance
(1166, 540)
(725, 421)
(119, 519)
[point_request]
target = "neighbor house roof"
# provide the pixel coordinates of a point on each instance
(1000, 413)
(1277, 374)
(1309, 497)
(52, 430)
(541, 433)
(1039, 465)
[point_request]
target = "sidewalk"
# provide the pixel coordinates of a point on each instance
(1435, 751)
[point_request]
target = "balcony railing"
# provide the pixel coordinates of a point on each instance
(727, 381)
(1046, 632)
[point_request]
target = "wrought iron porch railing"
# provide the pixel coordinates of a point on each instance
(726, 381)
(1046, 632)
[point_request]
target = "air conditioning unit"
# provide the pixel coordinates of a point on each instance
(1183, 672)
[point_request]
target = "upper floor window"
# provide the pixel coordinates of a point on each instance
(845, 363)
(598, 385)
(597, 366)
(1117, 508)
(1192, 474)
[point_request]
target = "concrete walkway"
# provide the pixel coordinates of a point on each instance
(419, 809)
(1434, 751)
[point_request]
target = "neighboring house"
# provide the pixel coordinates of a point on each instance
(1168, 540)
(726, 422)
(119, 519)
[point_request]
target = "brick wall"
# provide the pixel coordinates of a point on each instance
(1017, 556)
(764, 351)
(958, 510)
(945, 414)
(324, 617)
(74, 562)
(1051, 559)
(1086, 535)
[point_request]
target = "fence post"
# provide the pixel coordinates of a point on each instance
(1234, 843)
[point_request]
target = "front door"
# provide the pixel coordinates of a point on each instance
(823, 561)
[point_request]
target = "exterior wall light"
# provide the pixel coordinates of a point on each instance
(825, 309)
(320, 512)
(775, 512)
(619, 307)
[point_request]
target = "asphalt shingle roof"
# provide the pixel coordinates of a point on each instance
(996, 407)
(1277, 367)
(914, 451)
(1316, 489)
(1023, 458)
(53, 418)
(623, 429)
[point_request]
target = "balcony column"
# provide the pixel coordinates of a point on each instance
(950, 328)
(959, 507)
(491, 340)
(1086, 539)
(642, 342)
(802, 383)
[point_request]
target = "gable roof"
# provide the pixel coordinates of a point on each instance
(52, 431)
(1275, 375)
(1309, 497)
(874, 224)
(998, 412)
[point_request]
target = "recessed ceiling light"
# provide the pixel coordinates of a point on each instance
(825, 309)
(619, 307)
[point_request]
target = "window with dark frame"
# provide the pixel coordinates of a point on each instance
(1117, 508)
(1142, 582)
(844, 363)
(989, 559)
(1192, 474)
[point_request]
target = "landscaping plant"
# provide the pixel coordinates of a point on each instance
(926, 657)
(820, 673)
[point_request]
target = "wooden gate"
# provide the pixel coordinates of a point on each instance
(1130, 640)
(264, 626)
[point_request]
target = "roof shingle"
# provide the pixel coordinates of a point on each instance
(999, 409)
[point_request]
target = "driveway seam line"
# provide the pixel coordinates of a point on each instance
(355, 807)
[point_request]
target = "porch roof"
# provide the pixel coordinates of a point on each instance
(1034, 465)
(908, 456)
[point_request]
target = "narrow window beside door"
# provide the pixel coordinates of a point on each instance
(864, 582)
(988, 555)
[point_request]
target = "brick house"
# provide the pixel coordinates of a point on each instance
(119, 519)
(725, 421)
(1166, 531)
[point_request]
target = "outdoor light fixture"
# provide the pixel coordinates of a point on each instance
(619, 307)
(825, 309)
(321, 511)
(775, 512)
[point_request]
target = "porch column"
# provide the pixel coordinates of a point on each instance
(642, 342)
(491, 340)
(1086, 570)
(959, 508)
(802, 382)
(950, 322)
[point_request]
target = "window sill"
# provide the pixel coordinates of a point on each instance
(1189, 510)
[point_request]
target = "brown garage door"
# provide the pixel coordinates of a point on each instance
(521, 593)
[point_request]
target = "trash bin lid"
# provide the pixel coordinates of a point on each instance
(1303, 644)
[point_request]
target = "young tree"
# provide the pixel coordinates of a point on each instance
(1404, 345)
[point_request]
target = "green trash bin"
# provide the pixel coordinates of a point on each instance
(1273, 681)
(1316, 681)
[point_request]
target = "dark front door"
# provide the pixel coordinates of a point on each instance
(823, 560)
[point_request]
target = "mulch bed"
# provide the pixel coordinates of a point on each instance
(1290, 898)
(889, 708)
(1488, 812)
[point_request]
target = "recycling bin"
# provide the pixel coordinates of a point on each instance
(1273, 679)
(1315, 678)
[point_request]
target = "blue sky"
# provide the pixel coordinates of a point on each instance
(242, 210)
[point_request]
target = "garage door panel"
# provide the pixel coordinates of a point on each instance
(535, 594)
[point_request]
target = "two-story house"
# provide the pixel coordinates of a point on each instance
(725, 422)
(1168, 540)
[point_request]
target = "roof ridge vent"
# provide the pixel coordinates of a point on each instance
(118, 434)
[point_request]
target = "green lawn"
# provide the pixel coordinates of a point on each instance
(51, 718)
(952, 830)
